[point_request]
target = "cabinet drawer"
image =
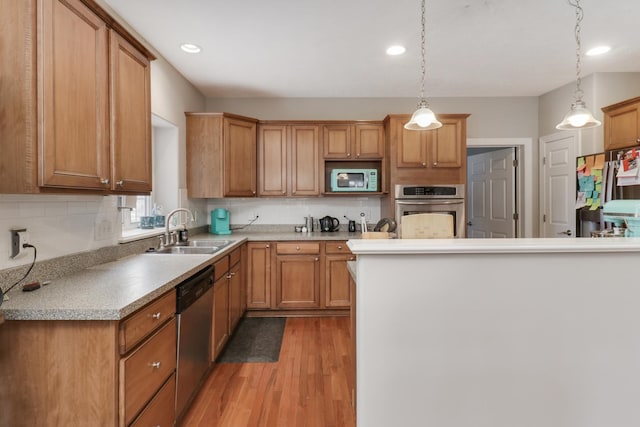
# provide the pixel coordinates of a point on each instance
(337, 248)
(146, 369)
(220, 268)
(234, 257)
(161, 411)
(146, 320)
(298, 248)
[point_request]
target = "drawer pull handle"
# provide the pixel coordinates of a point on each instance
(156, 315)
(104, 181)
(155, 365)
(267, 246)
(120, 183)
(317, 259)
(297, 248)
(339, 246)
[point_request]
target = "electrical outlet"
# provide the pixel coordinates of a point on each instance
(103, 229)
(19, 237)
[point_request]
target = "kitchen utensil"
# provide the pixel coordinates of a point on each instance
(363, 223)
(352, 226)
(329, 224)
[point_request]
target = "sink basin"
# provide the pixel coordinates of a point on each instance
(196, 247)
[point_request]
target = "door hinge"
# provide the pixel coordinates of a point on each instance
(544, 160)
(516, 216)
(544, 218)
(515, 163)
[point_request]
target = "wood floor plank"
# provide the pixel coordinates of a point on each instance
(310, 385)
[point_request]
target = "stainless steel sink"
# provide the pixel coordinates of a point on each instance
(196, 247)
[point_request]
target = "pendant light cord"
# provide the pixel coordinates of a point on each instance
(423, 51)
(579, 15)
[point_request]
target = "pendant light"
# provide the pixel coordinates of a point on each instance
(579, 117)
(423, 118)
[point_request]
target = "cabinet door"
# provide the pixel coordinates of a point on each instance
(305, 162)
(297, 281)
(369, 141)
(412, 148)
(239, 158)
(337, 281)
(258, 275)
(446, 145)
(272, 160)
(73, 109)
(130, 118)
(235, 296)
(337, 141)
(220, 327)
(622, 127)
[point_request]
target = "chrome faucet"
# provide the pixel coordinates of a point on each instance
(168, 237)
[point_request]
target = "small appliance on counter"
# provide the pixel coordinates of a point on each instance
(219, 221)
(621, 214)
(329, 224)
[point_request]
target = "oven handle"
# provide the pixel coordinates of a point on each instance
(431, 202)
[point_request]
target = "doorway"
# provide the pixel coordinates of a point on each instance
(491, 193)
(520, 196)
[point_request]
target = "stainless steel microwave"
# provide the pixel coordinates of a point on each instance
(354, 180)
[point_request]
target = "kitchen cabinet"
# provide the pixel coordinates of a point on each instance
(353, 141)
(259, 275)
(220, 326)
(336, 275)
(120, 371)
(76, 101)
(236, 289)
(622, 124)
(288, 160)
(297, 275)
(431, 157)
(221, 155)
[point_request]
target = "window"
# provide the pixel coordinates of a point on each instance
(132, 208)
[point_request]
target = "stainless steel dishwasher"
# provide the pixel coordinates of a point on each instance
(194, 313)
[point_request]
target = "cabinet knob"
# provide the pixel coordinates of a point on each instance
(297, 248)
(120, 183)
(317, 259)
(156, 315)
(155, 365)
(267, 246)
(104, 181)
(424, 164)
(435, 163)
(348, 154)
(352, 258)
(638, 140)
(340, 247)
(358, 155)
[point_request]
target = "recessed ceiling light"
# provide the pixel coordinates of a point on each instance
(190, 48)
(598, 50)
(396, 50)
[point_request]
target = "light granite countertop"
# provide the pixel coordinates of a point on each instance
(114, 290)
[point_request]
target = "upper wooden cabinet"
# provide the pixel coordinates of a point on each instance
(76, 111)
(221, 155)
(622, 124)
(353, 141)
(431, 157)
(288, 160)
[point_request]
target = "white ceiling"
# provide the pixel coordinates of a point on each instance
(336, 48)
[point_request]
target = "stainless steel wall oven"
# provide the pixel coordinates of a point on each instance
(418, 199)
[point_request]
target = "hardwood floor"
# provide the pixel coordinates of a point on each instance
(309, 386)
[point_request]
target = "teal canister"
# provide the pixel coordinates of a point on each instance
(220, 219)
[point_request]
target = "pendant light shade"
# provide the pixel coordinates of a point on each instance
(423, 118)
(578, 117)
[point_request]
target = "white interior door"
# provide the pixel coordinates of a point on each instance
(559, 185)
(490, 192)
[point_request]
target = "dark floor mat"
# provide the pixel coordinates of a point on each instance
(256, 339)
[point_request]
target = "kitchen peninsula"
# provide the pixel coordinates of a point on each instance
(500, 333)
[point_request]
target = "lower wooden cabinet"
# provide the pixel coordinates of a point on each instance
(298, 275)
(90, 372)
(259, 275)
(220, 327)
